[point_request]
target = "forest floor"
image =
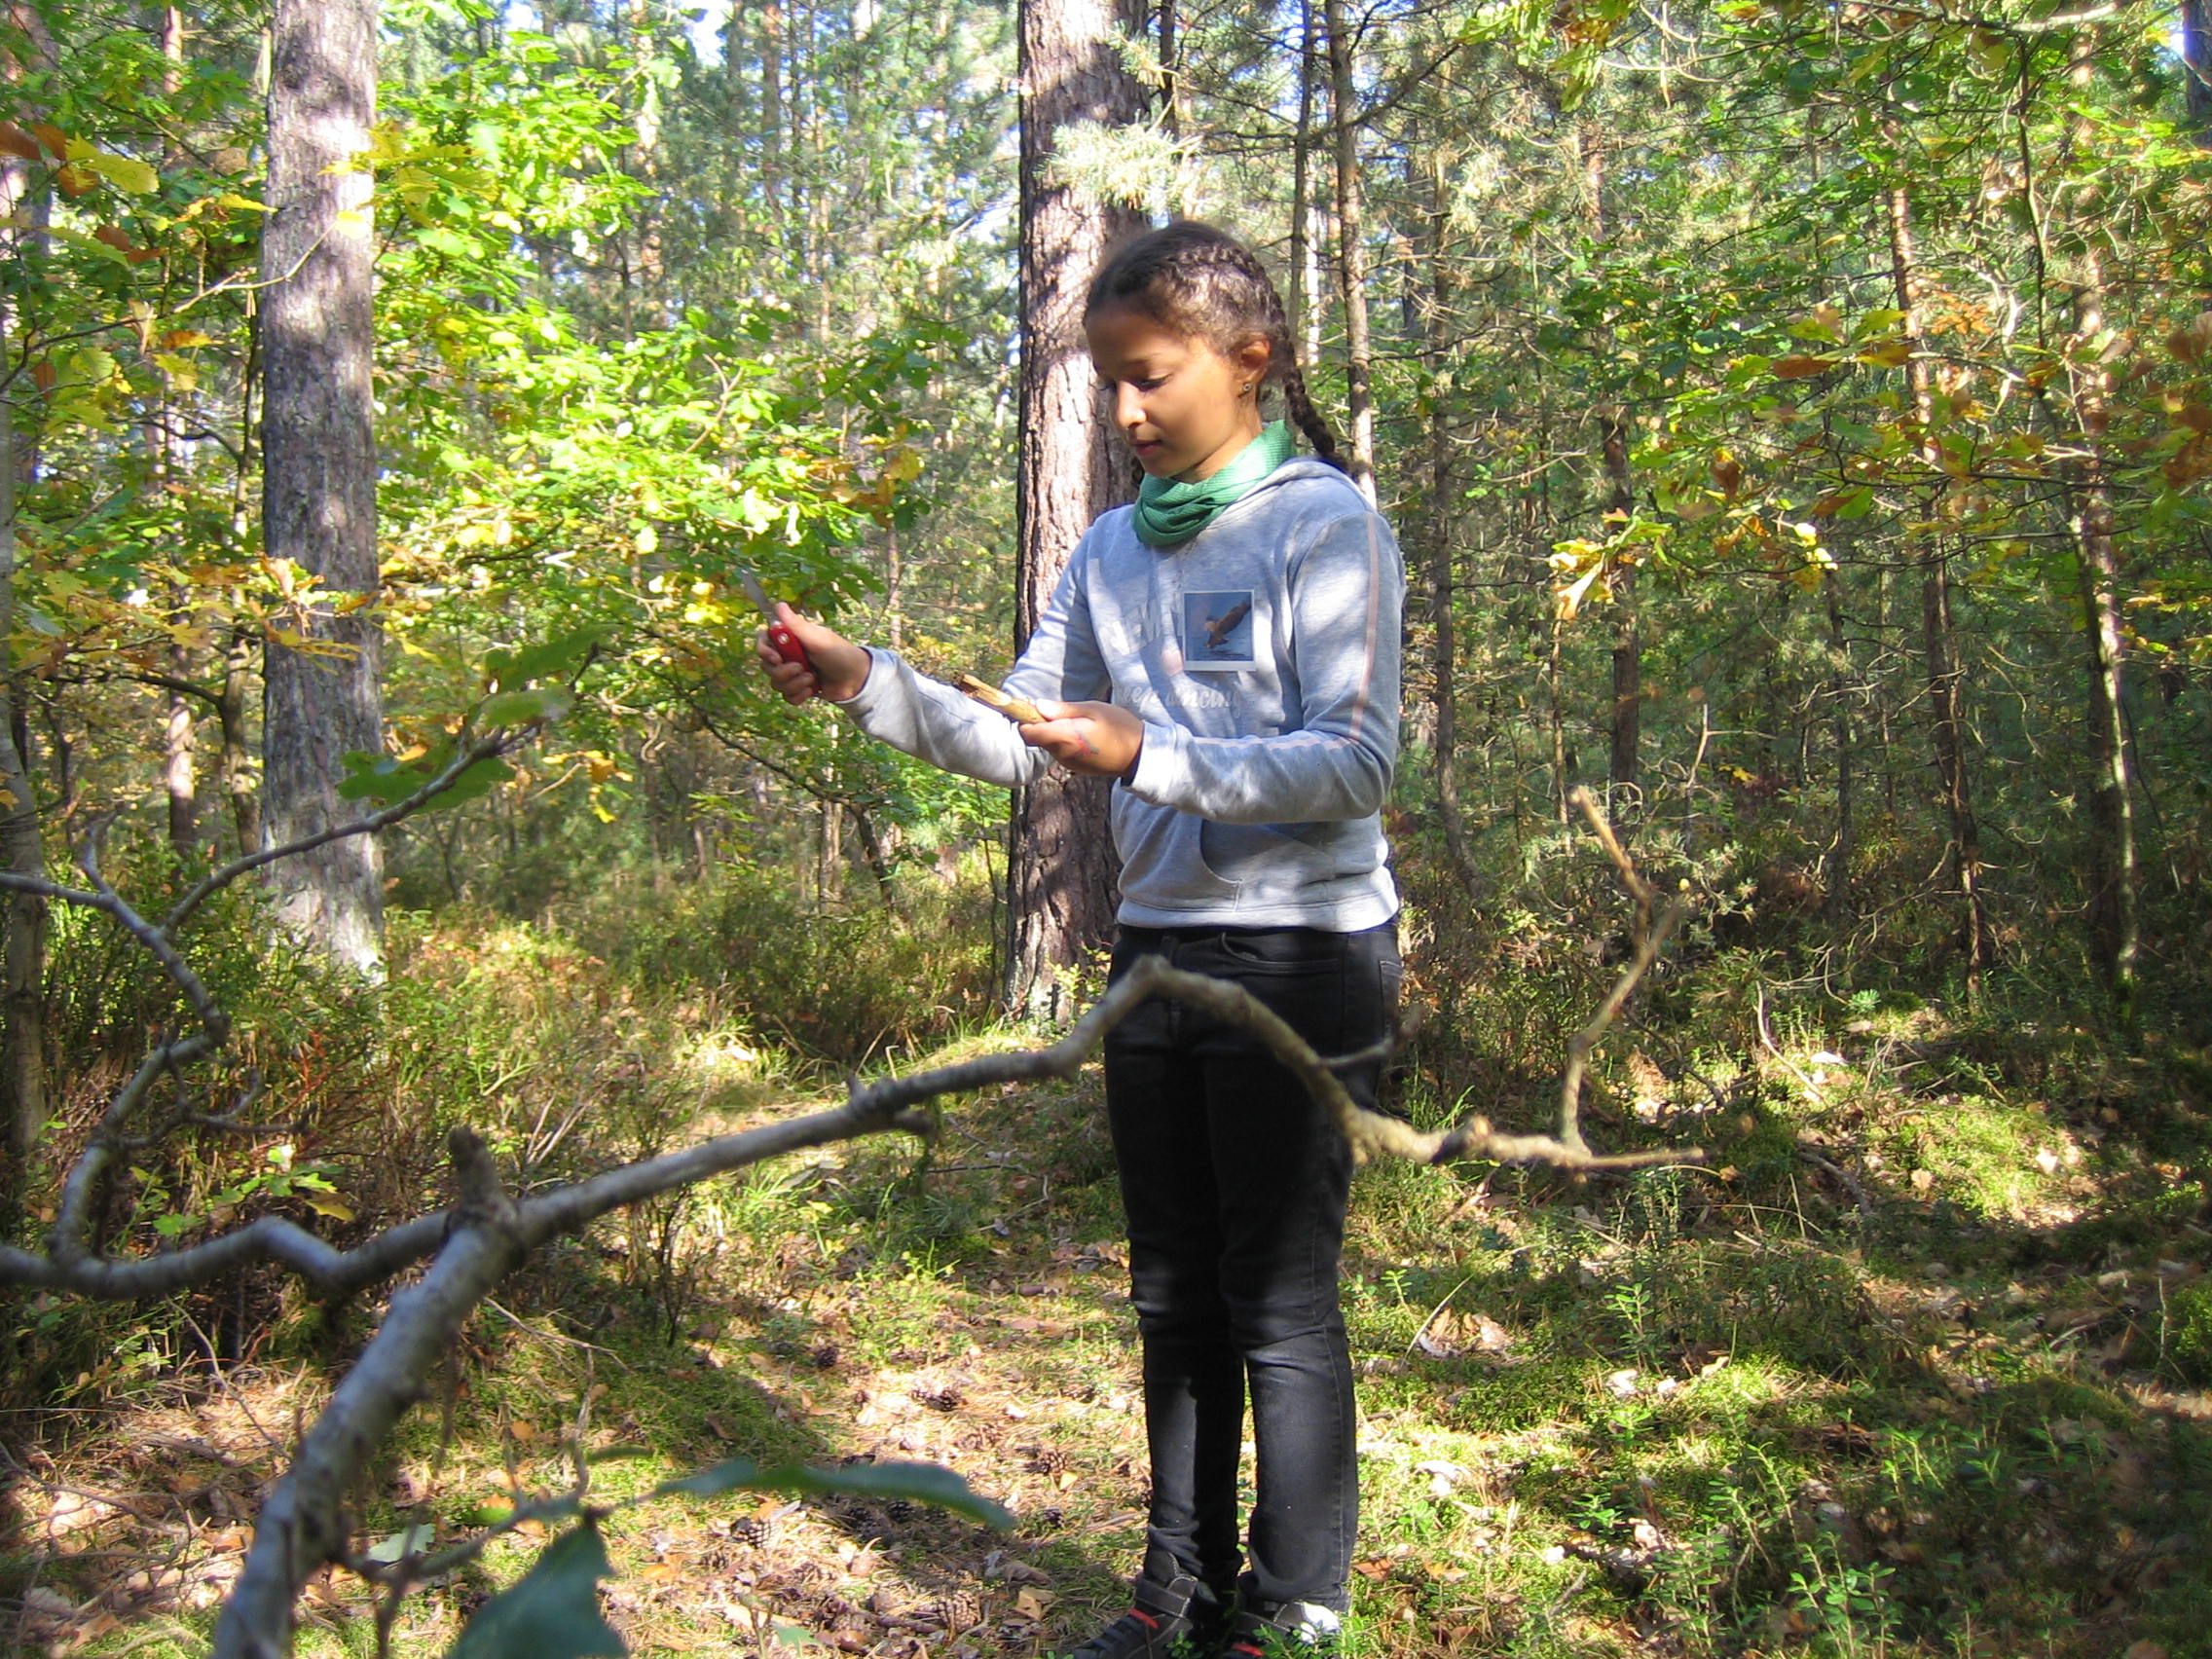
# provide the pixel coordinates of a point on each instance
(1913, 1364)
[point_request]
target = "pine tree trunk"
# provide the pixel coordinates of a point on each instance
(1061, 864)
(1939, 637)
(1351, 247)
(772, 108)
(319, 468)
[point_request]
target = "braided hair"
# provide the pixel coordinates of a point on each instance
(1200, 280)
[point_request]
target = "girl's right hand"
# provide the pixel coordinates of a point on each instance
(840, 667)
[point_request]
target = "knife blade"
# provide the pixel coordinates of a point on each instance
(781, 640)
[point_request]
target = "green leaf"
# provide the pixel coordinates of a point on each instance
(919, 1483)
(474, 783)
(379, 778)
(519, 708)
(510, 669)
(400, 1545)
(552, 1611)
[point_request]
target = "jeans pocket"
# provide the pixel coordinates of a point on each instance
(1277, 951)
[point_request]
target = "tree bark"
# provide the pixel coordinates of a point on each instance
(1060, 862)
(1351, 247)
(1939, 637)
(318, 491)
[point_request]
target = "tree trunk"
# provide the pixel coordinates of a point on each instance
(1304, 301)
(178, 782)
(1061, 864)
(1441, 586)
(1626, 720)
(1351, 247)
(772, 107)
(237, 767)
(893, 591)
(1628, 645)
(319, 468)
(1836, 876)
(23, 938)
(2114, 926)
(2196, 66)
(1939, 637)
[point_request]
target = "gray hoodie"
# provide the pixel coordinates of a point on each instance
(1262, 657)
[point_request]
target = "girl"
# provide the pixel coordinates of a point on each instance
(1227, 649)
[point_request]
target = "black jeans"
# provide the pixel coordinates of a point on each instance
(1235, 1182)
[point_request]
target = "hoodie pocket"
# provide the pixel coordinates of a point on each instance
(1269, 861)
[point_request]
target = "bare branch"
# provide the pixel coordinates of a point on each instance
(1650, 937)
(302, 1526)
(268, 1238)
(105, 898)
(215, 880)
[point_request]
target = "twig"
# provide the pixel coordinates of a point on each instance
(1830, 1166)
(1650, 937)
(215, 880)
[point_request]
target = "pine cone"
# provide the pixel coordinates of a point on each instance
(961, 1610)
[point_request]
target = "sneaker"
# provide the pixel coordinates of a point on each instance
(1164, 1621)
(1288, 1629)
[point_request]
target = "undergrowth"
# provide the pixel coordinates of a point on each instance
(1910, 1364)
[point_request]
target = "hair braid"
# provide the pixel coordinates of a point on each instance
(1310, 421)
(1199, 279)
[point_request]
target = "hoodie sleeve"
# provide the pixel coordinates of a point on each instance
(1346, 596)
(932, 720)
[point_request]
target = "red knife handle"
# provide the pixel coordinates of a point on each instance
(785, 644)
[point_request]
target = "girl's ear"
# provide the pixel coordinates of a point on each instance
(1254, 358)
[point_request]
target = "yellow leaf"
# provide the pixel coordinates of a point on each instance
(1799, 368)
(1889, 354)
(1568, 601)
(330, 1204)
(125, 172)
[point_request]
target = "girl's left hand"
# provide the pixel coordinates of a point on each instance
(1097, 738)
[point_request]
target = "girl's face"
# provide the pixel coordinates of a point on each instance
(1184, 409)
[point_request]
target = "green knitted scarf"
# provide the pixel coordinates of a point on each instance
(1169, 513)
